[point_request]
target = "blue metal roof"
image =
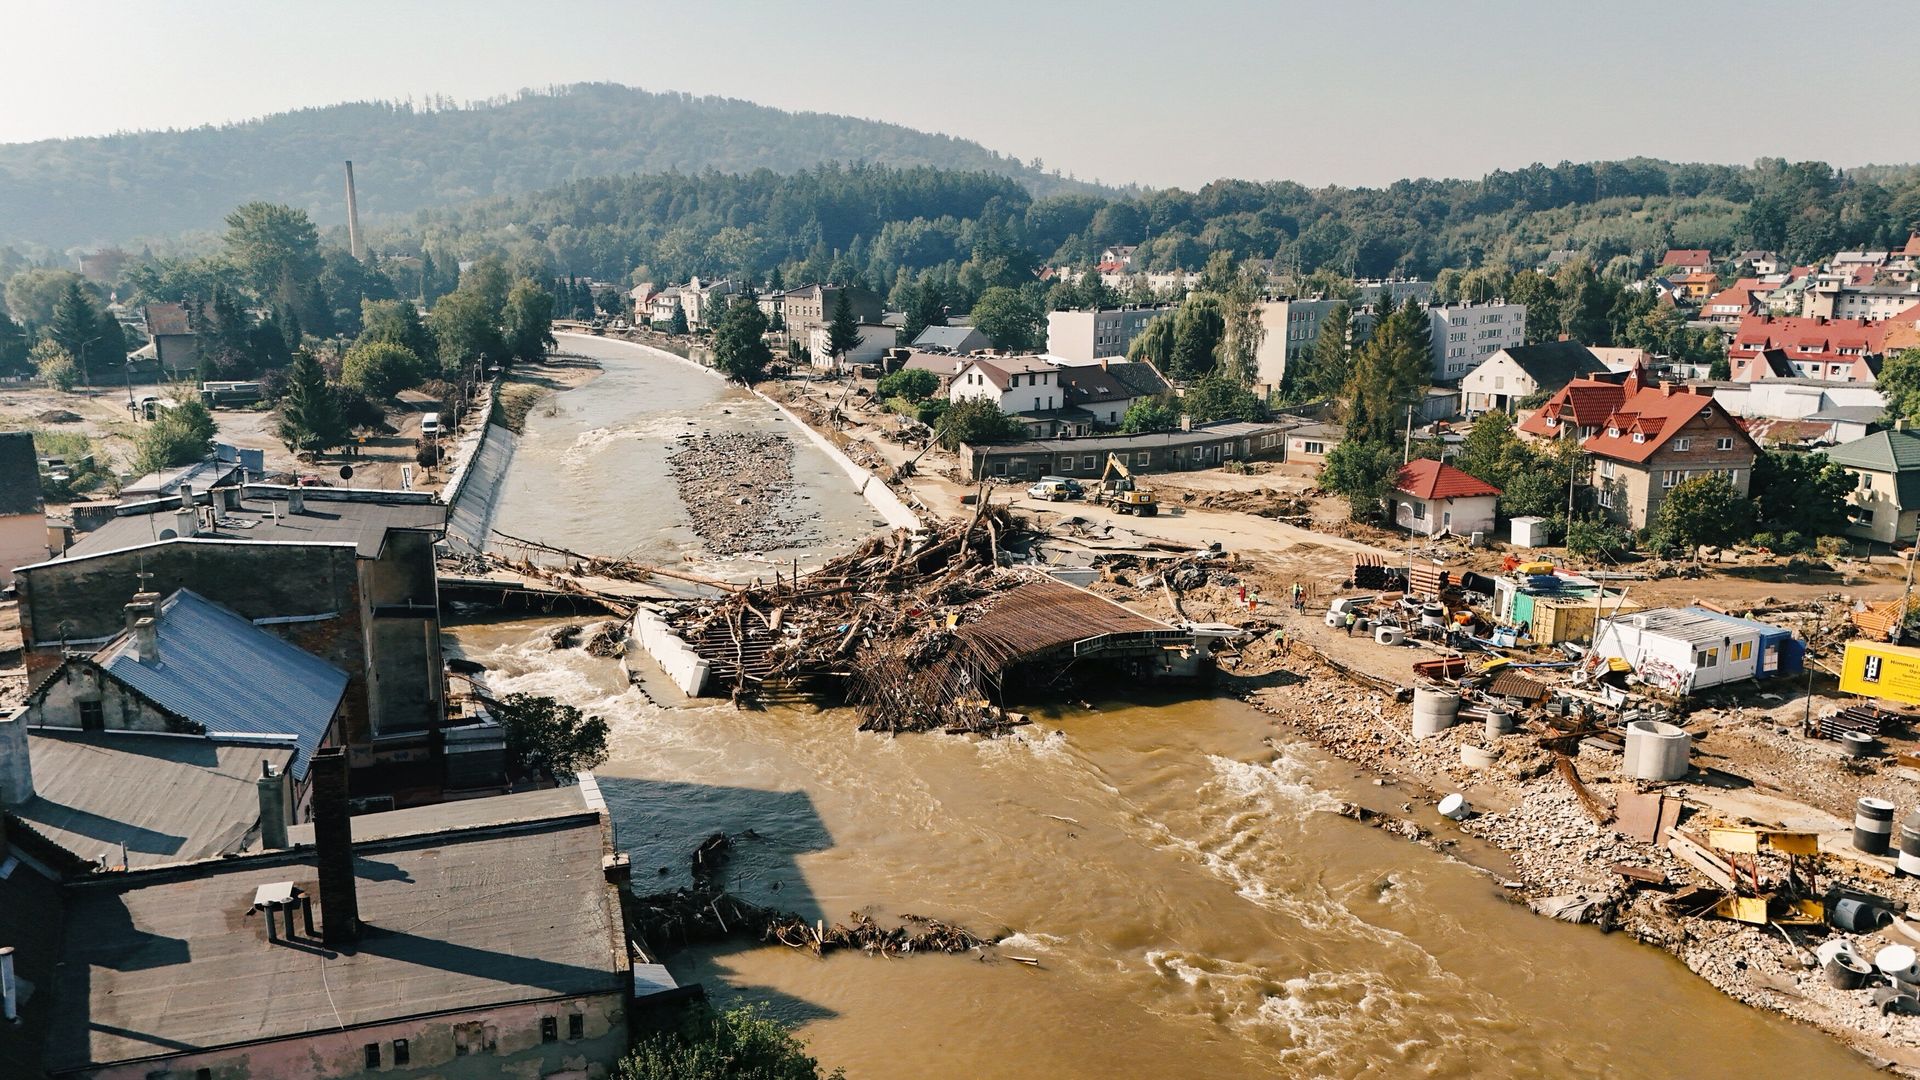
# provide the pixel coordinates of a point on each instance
(219, 670)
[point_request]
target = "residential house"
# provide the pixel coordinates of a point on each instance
(661, 306)
(952, 339)
(875, 340)
(1310, 442)
(1518, 372)
(1867, 302)
(1828, 350)
(1767, 364)
(1119, 256)
(640, 300)
(1578, 409)
(1091, 335)
(482, 937)
(124, 800)
(187, 666)
(175, 346)
(945, 366)
(1681, 650)
(1697, 286)
(345, 574)
(1432, 498)
(1017, 384)
(705, 301)
(1688, 260)
(23, 516)
(1760, 263)
(1733, 303)
(1658, 438)
(811, 307)
(1095, 389)
(1203, 446)
(1885, 503)
(1465, 335)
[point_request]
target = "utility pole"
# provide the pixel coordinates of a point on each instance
(1406, 453)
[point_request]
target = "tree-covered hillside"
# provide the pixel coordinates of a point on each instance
(60, 193)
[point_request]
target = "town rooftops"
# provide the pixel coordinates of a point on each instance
(1092, 385)
(1815, 338)
(19, 475)
(167, 319)
(160, 960)
(945, 365)
(1582, 403)
(201, 475)
(1692, 258)
(1553, 364)
(220, 671)
(330, 516)
(1643, 423)
(956, 339)
(1159, 440)
(1430, 479)
(168, 799)
(1139, 377)
(1000, 370)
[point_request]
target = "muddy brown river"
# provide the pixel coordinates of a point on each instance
(1194, 911)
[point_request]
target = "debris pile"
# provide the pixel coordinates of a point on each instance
(738, 489)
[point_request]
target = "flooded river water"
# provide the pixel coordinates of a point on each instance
(1194, 912)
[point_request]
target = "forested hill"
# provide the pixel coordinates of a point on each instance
(62, 193)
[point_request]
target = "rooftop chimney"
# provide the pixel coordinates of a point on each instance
(1900, 424)
(333, 843)
(186, 496)
(143, 606)
(16, 767)
(146, 640)
(353, 218)
(296, 500)
(186, 522)
(276, 806)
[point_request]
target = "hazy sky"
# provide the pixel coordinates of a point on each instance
(1166, 92)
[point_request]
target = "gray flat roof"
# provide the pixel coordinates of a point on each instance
(162, 961)
(168, 798)
(464, 814)
(363, 524)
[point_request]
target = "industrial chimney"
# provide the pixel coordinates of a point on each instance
(353, 218)
(333, 844)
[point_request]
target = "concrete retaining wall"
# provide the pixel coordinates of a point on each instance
(686, 667)
(472, 493)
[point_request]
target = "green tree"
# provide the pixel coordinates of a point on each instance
(740, 1044)
(181, 435)
(1197, 329)
(974, 420)
(1008, 318)
(527, 319)
(276, 250)
(13, 347)
(1243, 330)
(1900, 382)
(1389, 374)
(310, 414)
(910, 384)
(466, 326)
(1493, 452)
(1154, 343)
(1158, 413)
(75, 325)
(843, 332)
(677, 326)
(1588, 538)
(925, 307)
(740, 350)
(548, 738)
(1216, 397)
(1704, 510)
(54, 365)
(1362, 471)
(1320, 374)
(395, 322)
(32, 293)
(1798, 492)
(381, 369)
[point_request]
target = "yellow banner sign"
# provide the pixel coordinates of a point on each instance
(1882, 671)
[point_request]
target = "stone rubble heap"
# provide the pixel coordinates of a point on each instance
(738, 488)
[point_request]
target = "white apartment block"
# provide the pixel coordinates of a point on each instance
(1293, 324)
(1090, 335)
(1465, 335)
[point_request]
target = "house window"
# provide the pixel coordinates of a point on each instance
(1553, 421)
(1742, 651)
(402, 1054)
(1707, 659)
(93, 716)
(549, 1029)
(576, 1025)
(999, 468)
(1314, 447)
(1087, 462)
(1669, 478)
(1683, 444)
(1613, 433)
(1605, 498)
(373, 1055)
(1639, 436)
(1143, 458)
(1606, 468)
(1419, 511)
(1724, 442)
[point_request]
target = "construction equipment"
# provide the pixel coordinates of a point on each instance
(1118, 490)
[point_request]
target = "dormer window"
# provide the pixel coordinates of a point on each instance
(1639, 437)
(1613, 433)
(1553, 421)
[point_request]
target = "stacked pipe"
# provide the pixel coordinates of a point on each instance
(1909, 861)
(1873, 826)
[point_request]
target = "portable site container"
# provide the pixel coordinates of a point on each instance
(1683, 649)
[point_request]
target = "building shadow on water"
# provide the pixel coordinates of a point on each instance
(660, 823)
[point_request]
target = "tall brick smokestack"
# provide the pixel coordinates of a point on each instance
(333, 843)
(353, 218)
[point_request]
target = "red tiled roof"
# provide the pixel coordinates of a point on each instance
(1808, 338)
(1739, 294)
(1913, 244)
(1687, 257)
(1581, 403)
(1430, 479)
(1863, 274)
(1656, 414)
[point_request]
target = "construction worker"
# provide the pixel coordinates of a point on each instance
(1299, 597)
(1351, 619)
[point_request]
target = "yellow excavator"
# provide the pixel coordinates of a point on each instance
(1118, 490)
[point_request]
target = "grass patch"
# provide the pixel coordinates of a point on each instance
(510, 409)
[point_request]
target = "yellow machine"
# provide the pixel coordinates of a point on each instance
(1118, 490)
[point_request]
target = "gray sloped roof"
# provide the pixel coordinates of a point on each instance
(951, 338)
(1138, 377)
(19, 474)
(219, 670)
(1554, 364)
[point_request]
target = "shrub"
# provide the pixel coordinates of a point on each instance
(913, 384)
(717, 1046)
(1831, 546)
(1765, 540)
(1791, 542)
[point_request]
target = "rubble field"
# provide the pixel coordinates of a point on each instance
(738, 488)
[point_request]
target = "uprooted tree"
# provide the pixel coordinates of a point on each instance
(548, 738)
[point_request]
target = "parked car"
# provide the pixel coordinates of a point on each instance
(1074, 490)
(430, 425)
(1050, 490)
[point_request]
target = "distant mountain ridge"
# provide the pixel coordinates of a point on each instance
(73, 192)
